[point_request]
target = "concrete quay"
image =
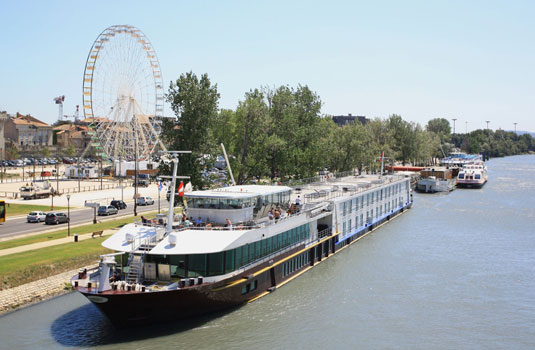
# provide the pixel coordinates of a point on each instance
(14, 298)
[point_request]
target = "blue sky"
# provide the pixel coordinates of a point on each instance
(469, 60)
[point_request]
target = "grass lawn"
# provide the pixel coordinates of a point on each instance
(21, 268)
(63, 233)
(78, 230)
(13, 209)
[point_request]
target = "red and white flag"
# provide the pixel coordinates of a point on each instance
(181, 189)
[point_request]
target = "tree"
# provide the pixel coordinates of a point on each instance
(194, 102)
(251, 123)
(439, 126)
(13, 153)
(45, 152)
(295, 133)
(70, 151)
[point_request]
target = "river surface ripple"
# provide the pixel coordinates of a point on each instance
(455, 272)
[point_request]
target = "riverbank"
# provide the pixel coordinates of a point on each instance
(14, 298)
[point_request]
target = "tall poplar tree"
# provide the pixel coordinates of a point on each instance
(195, 103)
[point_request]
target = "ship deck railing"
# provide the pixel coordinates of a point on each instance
(178, 227)
(345, 189)
(321, 234)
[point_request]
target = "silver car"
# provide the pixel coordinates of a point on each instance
(36, 216)
(107, 210)
(145, 201)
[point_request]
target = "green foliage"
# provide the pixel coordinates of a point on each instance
(497, 143)
(194, 102)
(440, 126)
(70, 151)
(13, 153)
(281, 134)
(45, 152)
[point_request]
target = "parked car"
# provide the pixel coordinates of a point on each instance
(144, 201)
(107, 210)
(56, 218)
(142, 183)
(36, 216)
(46, 173)
(118, 204)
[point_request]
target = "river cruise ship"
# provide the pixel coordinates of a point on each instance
(249, 240)
(460, 159)
(473, 175)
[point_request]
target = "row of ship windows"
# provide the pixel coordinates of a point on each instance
(220, 263)
(295, 263)
(355, 203)
(379, 211)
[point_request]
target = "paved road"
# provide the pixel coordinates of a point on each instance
(13, 227)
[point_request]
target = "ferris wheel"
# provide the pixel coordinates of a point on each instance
(123, 93)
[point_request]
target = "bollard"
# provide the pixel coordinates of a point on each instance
(76, 238)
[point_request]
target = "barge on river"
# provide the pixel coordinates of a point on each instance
(163, 271)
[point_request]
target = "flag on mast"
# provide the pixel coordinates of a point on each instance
(181, 189)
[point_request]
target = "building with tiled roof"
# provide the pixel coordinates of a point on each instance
(72, 134)
(25, 132)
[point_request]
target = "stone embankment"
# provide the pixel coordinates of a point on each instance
(13, 298)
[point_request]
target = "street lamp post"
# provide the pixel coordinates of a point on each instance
(454, 119)
(159, 181)
(515, 127)
(487, 121)
(135, 174)
(466, 127)
(68, 215)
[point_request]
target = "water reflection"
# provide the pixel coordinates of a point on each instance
(87, 326)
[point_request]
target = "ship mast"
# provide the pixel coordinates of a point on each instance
(174, 159)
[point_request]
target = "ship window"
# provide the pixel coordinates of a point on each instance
(461, 176)
(245, 289)
(270, 247)
(349, 226)
(229, 261)
(197, 265)
(258, 252)
(254, 285)
(238, 257)
(478, 176)
(215, 264)
(344, 228)
(245, 254)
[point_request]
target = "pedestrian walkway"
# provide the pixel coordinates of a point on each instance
(39, 245)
